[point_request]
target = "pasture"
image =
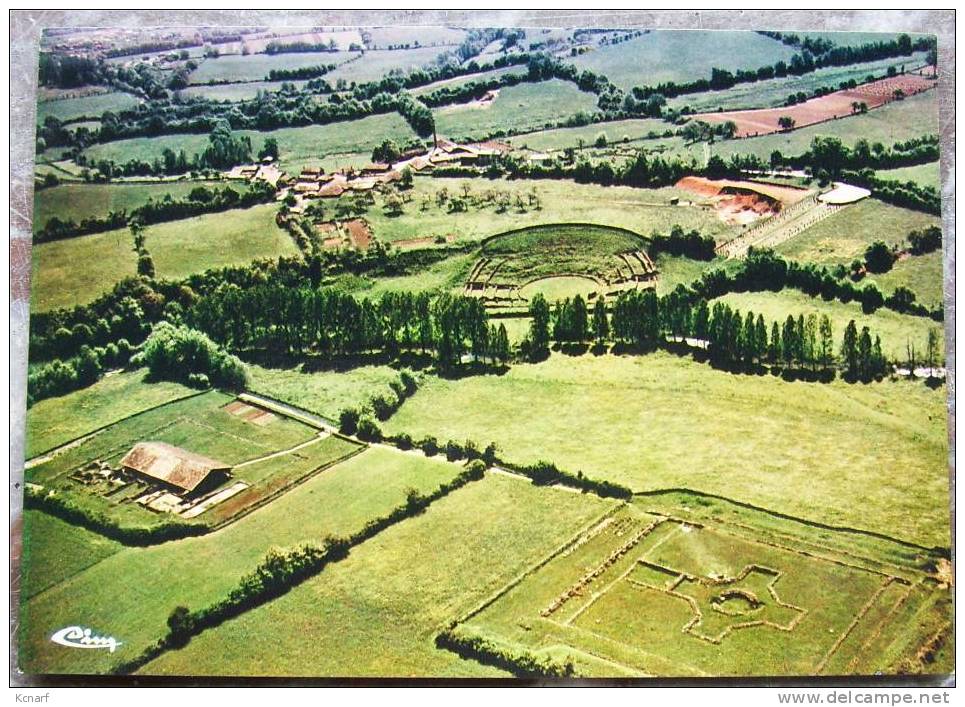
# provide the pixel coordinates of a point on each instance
(644, 594)
(526, 106)
(896, 330)
(375, 64)
(922, 274)
(897, 121)
(644, 211)
(132, 593)
(616, 132)
(845, 235)
(468, 78)
(255, 67)
(680, 56)
(234, 92)
(81, 201)
(387, 601)
(56, 421)
(659, 421)
(426, 35)
(925, 175)
(323, 391)
(93, 106)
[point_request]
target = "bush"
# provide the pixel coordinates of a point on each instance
(403, 441)
(368, 430)
(175, 352)
(199, 381)
(429, 446)
(454, 451)
(348, 421)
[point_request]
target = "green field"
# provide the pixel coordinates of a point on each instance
(922, 274)
(675, 270)
(895, 330)
(896, 121)
(422, 34)
(558, 288)
(468, 78)
(680, 56)
(377, 63)
(615, 131)
(56, 421)
(844, 236)
(54, 551)
(80, 201)
(85, 107)
(255, 67)
(644, 211)
(131, 594)
(78, 270)
(394, 593)
(323, 392)
(713, 600)
(526, 106)
(235, 91)
(659, 421)
(774, 92)
(925, 175)
(297, 146)
(448, 275)
(233, 237)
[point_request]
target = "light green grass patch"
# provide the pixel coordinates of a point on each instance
(131, 594)
(896, 330)
(56, 421)
(680, 56)
(615, 132)
(520, 107)
(560, 287)
(255, 67)
(924, 175)
(323, 392)
(845, 235)
(85, 107)
(659, 421)
(375, 64)
(922, 274)
(395, 592)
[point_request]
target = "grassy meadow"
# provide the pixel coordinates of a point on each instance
(845, 235)
(93, 106)
(132, 593)
(387, 601)
(922, 274)
(255, 67)
(680, 56)
(617, 131)
(521, 107)
(925, 175)
(56, 421)
(659, 421)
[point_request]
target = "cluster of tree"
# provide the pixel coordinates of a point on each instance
(689, 245)
(57, 377)
(300, 73)
(416, 113)
(383, 406)
(544, 473)
(698, 130)
(200, 200)
(828, 53)
(519, 663)
(151, 47)
(224, 149)
(185, 355)
(641, 170)
(325, 321)
(828, 157)
(925, 240)
(68, 71)
(274, 47)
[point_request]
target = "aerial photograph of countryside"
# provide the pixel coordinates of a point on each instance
(442, 352)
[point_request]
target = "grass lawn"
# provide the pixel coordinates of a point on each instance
(558, 288)
(922, 274)
(644, 211)
(236, 237)
(297, 146)
(55, 551)
(896, 121)
(387, 601)
(85, 107)
(844, 236)
(234, 91)
(680, 56)
(323, 392)
(894, 329)
(408, 34)
(377, 63)
(659, 421)
(774, 92)
(524, 106)
(77, 270)
(56, 421)
(448, 275)
(80, 201)
(676, 270)
(131, 594)
(925, 175)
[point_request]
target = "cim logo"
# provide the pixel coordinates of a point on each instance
(80, 637)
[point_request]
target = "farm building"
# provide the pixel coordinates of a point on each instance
(184, 473)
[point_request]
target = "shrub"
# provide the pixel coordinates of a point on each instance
(429, 446)
(368, 430)
(403, 441)
(348, 421)
(454, 451)
(199, 381)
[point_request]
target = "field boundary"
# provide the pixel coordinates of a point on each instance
(939, 549)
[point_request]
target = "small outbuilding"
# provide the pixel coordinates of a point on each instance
(182, 472)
